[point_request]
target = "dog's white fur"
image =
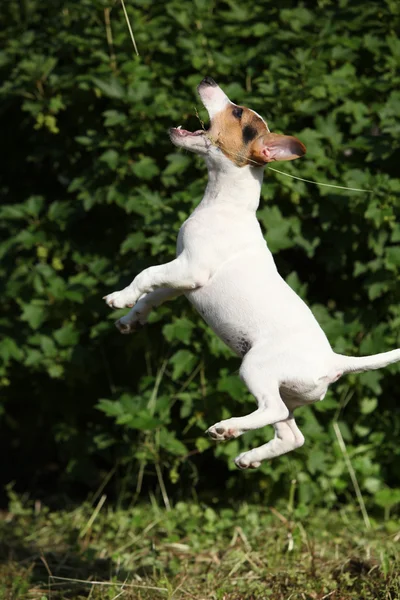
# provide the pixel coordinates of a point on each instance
(225, 269)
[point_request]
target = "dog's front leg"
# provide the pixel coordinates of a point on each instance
(179, 274)
(138, 315)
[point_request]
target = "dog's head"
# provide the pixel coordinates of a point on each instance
(236, 132)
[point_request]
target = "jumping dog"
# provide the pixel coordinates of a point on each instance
(225, 269)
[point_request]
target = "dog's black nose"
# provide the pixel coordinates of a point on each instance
(208, 81)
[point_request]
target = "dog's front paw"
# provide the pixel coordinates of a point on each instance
(220, 432)
(122, 299)
(245, 461)
(129, 324)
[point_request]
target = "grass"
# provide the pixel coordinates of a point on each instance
(194, 552)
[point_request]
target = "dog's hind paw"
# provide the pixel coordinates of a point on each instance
(126, 328)
(244, 461)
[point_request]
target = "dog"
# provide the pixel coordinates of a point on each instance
(225, 269)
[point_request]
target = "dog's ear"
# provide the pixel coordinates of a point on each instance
(274, 146)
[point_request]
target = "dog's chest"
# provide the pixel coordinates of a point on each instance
(211, 235)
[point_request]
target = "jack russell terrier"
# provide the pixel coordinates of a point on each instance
(224, 267)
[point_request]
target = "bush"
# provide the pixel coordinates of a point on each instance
(94, 192)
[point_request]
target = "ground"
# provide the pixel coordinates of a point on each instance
(193, 551)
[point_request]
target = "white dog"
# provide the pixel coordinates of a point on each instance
(225, 269)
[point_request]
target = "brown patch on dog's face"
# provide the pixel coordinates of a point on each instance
(234, 130)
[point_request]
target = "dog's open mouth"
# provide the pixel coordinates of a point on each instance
(185, 133)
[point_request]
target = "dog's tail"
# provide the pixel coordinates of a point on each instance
(358, 364)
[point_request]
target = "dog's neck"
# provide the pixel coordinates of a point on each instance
(230, 185)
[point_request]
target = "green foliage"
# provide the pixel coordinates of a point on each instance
(93, 192)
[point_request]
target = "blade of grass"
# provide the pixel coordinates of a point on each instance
(93, 517)
(129, 27)
(162, 487)
(353, 476)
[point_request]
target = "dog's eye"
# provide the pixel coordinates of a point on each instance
(237, 112)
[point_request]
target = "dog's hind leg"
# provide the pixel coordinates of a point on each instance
(264, 385)
(287, 437)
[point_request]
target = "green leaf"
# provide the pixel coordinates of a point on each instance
(146, 168)
(203, 444)
(134, 241)
(387, 498)
(9, 349)
(34, 314)
(56, 371)
(178, 163)
(34, 205)
(110, 408)
(278, 228)
(112, 88)
(66, 335)
(48, 346)
(368, 405)
(316, 461)
(232, 385)
(114, 117)
(182, 361)
(393, 256)
(169, 442)
(143, 421)
(181, 330)
(111, 158)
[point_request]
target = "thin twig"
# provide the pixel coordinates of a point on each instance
(345, 398)
(151, 405)
(109, 35)
(44, 561)
(189, 380)
(221, 145)
(338, 187)
(199, 118)
(118, 595)
(108, 583)
(328, 595)
(104, 483)
(279, 515)
(107, 370)
(140, 478)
